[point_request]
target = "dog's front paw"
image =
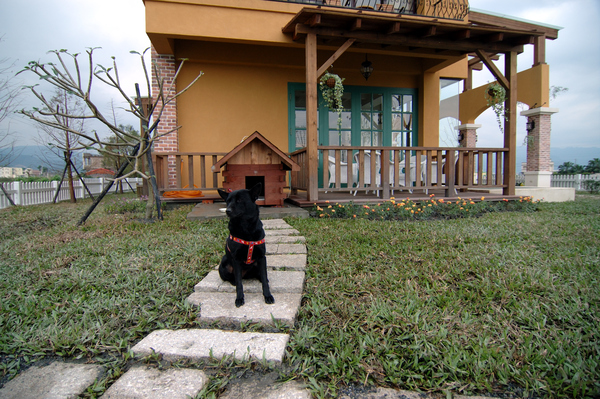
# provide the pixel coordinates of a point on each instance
(239, 302)
(269, 300)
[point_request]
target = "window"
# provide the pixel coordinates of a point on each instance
(372, 116)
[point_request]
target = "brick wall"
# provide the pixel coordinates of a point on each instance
(168, 143)
(468, 135)
(538, 143)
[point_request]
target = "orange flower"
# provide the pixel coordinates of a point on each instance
(482, 198)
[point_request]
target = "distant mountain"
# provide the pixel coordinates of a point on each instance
(39, 155)
(577, 155)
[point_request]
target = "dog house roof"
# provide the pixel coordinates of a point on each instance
(256, 150)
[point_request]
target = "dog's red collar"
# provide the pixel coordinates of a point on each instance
(250, 245)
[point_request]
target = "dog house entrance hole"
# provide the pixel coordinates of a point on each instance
(252, 181)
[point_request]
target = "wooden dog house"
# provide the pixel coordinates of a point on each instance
(257, 160)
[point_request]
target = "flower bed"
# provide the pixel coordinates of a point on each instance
(423, 210)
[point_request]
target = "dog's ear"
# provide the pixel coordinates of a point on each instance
(255, 191)
(224, 194)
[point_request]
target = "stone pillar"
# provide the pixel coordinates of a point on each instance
(467, 135)
(168, 121)
(539, 164)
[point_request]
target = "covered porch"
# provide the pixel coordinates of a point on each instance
(414, 170)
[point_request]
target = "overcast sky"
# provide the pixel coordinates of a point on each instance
(30, 28)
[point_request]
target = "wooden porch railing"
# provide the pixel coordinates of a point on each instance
(402, 169)
(183, 171)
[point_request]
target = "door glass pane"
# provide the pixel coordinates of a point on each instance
(300, 138)
(378, 121)
(300, 118)
(377, 138)
(365, 120)
(365, 138)
(396, 121)
(407, 103)
(377, 102)
(396, 103)
(407, 122)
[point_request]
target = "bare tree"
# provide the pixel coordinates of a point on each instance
(9, 92)
(69, 75)
(63, 142)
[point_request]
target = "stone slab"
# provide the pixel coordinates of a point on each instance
(283, 249)
(150, 383)
(281, 232)
(276, 224)
(199, 344)
(57, 380)
(284, 240)
(290, 261)
(279, 282)
(265, 387)
(220, 306)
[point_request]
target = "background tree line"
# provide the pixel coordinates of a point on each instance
(570, 168)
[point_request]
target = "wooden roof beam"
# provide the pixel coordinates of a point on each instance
(356, 24)
(395, 28)
(403, 40)
(429, 31)
(462, 35)
(314, 21)
(335, 56)
(493, 69)
(495, 38)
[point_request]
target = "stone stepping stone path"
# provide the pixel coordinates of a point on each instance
(215, 299)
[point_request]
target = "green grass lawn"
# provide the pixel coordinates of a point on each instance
(507, 302)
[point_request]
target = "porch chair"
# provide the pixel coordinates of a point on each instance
(401, 172)
(343, 173)
(366, 171)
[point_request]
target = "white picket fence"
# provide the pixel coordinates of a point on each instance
(35, 193)
(573, 181)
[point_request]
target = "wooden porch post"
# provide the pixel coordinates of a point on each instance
(510, 124)
(312, 139)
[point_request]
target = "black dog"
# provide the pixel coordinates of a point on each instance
(245, 247)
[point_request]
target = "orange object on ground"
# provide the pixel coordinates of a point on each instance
(183, 194)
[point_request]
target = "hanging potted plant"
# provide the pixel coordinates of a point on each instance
(495, 96)
(332, 89)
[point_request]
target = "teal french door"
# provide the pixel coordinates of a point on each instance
(372, 116)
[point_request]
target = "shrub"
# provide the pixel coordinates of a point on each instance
(593, 186)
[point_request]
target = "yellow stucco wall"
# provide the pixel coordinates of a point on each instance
(248, 63)
(532, 89)
(244, 88)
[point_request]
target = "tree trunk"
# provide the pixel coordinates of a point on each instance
(106, 189)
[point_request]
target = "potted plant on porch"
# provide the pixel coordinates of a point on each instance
(495, 95)
(332, 89)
